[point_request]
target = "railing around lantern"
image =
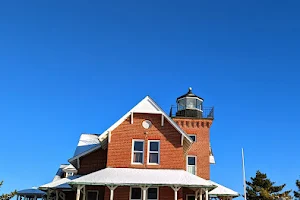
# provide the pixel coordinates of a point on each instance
(205, 113)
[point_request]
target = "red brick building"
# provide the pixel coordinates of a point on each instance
(146, 154)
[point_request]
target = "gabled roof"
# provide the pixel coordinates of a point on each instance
(60, 184)
(222, 191)
(87, 143)
(147, 105)
(154, 177)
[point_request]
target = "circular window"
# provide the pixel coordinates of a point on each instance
(147, 124)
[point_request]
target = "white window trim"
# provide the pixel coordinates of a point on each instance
(194, 135)
(86, 197)
(157, 193)
(131, 192)
(187, 163)
(148, 152)
(132, 152)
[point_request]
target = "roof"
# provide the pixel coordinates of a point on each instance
(147, 105)
(222, 191)
(60, 184)
(87, 143)
(189, 94)
(154, 177)
(32, 192)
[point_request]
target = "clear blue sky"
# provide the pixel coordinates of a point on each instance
(68, 67)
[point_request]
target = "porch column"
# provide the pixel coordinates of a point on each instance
(35, 197)
(175, 188)
(206, 194)
(112, 188)
(56, 194)
(197, 194)
(79, 187)
(201, 194)
(144, 188)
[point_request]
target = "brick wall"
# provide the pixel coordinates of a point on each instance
(120, 146)
(93, 161)
(200, 128)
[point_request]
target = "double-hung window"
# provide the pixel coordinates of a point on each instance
(191, 164)
(153, 152)
(137, 151)
(137, 194)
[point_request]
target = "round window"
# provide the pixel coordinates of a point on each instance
(147, 124)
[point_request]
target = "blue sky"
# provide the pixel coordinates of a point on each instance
(68, 67)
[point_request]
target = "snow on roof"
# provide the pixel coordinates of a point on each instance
(222, 191)
(59, 172)
(70, 168)
(60, 184)
(87, 143)
(147, 105)
(33, 192)
(130, 176)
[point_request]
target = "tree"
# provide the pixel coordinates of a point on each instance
(262, 188)
(297, 194)
(6, 196)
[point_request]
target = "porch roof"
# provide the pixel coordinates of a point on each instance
(134, 177)
(222, 191)
(31, 192)
(59, 184)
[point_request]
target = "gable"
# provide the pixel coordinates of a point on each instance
(147, 106)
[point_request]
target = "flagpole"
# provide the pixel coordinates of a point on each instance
(244, 174)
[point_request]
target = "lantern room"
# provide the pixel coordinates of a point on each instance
(189, 105)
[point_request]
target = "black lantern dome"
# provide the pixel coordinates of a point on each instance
(189, 105)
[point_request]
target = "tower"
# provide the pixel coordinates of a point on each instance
(195, 120)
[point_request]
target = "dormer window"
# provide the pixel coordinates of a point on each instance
(68, 174)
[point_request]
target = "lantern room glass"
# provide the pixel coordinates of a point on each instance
(189, 103)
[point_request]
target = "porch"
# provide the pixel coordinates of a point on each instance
(143, 184)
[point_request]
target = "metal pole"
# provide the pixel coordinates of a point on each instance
(244, 174)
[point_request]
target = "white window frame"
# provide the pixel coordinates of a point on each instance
(132, 152)
(131, 193)
(71, 174)
(194, 136)
(187, 163)
(157, 189)
(148, 152)
(87, 194)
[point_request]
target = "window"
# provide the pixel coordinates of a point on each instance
(68, 174)
(92, 195)
(138, 151)
(190, 197)
(152, 193)
(193, 137)
(135, 194)
(153, 152)
(191, 164)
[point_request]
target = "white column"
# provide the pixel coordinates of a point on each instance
(206, 194)
(112, 188)
(201, 194)
(78, 193)
(34, 197)
(56, 194)
(144, 189)
(83, 191)
(175, 188)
